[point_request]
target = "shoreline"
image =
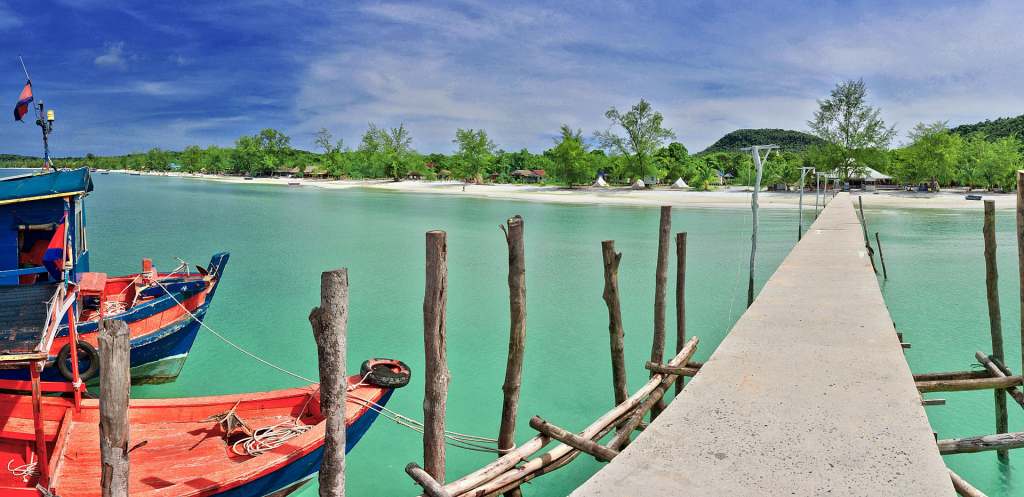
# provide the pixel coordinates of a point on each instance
(730, 197)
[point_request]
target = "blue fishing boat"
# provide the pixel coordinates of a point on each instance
(44, 249)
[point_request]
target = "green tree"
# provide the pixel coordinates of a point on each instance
(572, 163)
(246, 157)
(933, 154)
(475, 154)
(854, 129)
(644, 135)
(191, 158)
(157, 159)
(397, 149)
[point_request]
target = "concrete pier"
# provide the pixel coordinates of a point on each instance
(808, 395)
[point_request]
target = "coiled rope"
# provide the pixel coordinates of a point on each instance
(24, 471)
(455, 439)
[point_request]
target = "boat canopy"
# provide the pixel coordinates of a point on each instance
(30, 187)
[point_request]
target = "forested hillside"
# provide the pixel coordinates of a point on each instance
(787, 139)
(994, 129)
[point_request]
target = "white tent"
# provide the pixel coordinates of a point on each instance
(680, 184)
(639, 185)
(600, 182)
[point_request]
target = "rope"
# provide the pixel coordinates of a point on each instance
(455, 439)
(24, 471)
(269, 438)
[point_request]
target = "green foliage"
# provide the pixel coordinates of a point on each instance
(644, 135)
(475, 154)
(795, 141)
(854, 129)
(932, 156)
(572, 162)
(994, 129)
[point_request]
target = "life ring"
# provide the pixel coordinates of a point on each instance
(86, 352)
(387, 373)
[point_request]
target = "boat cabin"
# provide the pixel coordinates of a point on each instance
(42, 227)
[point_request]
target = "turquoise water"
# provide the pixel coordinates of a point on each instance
(282, 238)
(936, 295)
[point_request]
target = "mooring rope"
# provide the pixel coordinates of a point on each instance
(455, 439)
(269, 438)
(24, 471)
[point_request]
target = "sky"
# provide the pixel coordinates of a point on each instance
(127, 76)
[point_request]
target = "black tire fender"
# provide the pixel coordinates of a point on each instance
(386, 373)
(85, 351)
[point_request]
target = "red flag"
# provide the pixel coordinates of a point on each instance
(23, 100)
(53, 258)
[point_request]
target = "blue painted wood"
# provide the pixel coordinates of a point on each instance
(19, 272)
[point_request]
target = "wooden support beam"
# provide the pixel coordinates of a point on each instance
(516, 336)
(431, 488)
(660, 290)
(600, 452)
(435, 301)
(963, 488)
(905, 345)
(622, 436)
(881, 257)
(115, 388)
(933, 402)
(680, 297)
(999, 441)
(965, 385)
(998, 372)
(330, 324)
(864, 227)
(952, 375)
(679, 370)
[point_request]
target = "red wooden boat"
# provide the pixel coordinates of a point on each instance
(178, 448)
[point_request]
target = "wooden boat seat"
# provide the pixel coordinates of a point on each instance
(12, 428)
(23, 311)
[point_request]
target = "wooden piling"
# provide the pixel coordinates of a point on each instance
(753, 233)
(660, 284)
(435, 301)
(115, 388)
(611, 298)
(600, 452)
(998, 371)
(864, 228)
(994, 316)
(1020, 256)
(966, 385)
(330, 324)
(963, 488)
(680, 297)
(881, 256)
(516, 337)
(968, 445)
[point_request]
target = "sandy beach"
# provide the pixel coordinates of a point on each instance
(731, 197)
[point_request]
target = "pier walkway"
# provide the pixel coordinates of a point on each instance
(808, 395)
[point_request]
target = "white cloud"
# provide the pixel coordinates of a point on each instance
(114, 56)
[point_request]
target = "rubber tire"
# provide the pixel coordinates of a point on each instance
(381, 375)
(64, 357)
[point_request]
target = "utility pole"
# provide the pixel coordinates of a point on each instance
(755, 152)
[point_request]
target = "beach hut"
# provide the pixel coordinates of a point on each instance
(639, 185)
(680, 184)
(600, 182)
(527, 175)
(444, 174)
(313, 172)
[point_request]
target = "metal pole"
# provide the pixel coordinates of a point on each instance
(29, 78)
(800, 210)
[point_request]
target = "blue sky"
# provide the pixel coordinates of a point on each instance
(127, 76)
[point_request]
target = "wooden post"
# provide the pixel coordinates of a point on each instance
(660, 283)
(998, 371)
(611, 298)
(963, 488)
(881, 256)
(753, 234)
(969, 445)
(680, 298)
(115, 388)
(435, 301)
(42, 459)
(330, 324)
(864, 228)
(966, 385)
(516, 336)
(600, 452)
(1020, 256)
(995, 321)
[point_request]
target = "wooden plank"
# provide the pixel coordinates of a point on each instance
(330, 325)
(966, 385)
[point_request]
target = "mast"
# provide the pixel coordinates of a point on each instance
(44, 119)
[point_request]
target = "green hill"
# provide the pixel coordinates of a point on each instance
(789, 140)
(999, 128)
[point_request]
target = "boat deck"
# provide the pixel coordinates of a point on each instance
(808, 395)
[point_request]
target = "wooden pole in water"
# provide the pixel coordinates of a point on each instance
(995, 320)
(660, 284)
(516, 336)
(753, 235)
(330, 324)
(115, 388)
(611, 298)
(431, 488)
(1020, 256)
(680, 298)
(864, 228)
(435, 301)
(881, 256)
(600, 452)
(963, 488)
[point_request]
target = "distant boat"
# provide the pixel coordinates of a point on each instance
(44, 214)
(179, 447)
(134, 173)
(247, 178)
(294, 183)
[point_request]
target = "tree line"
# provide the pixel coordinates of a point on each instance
(847, 136)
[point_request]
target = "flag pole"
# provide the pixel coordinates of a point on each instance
(23, 68)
